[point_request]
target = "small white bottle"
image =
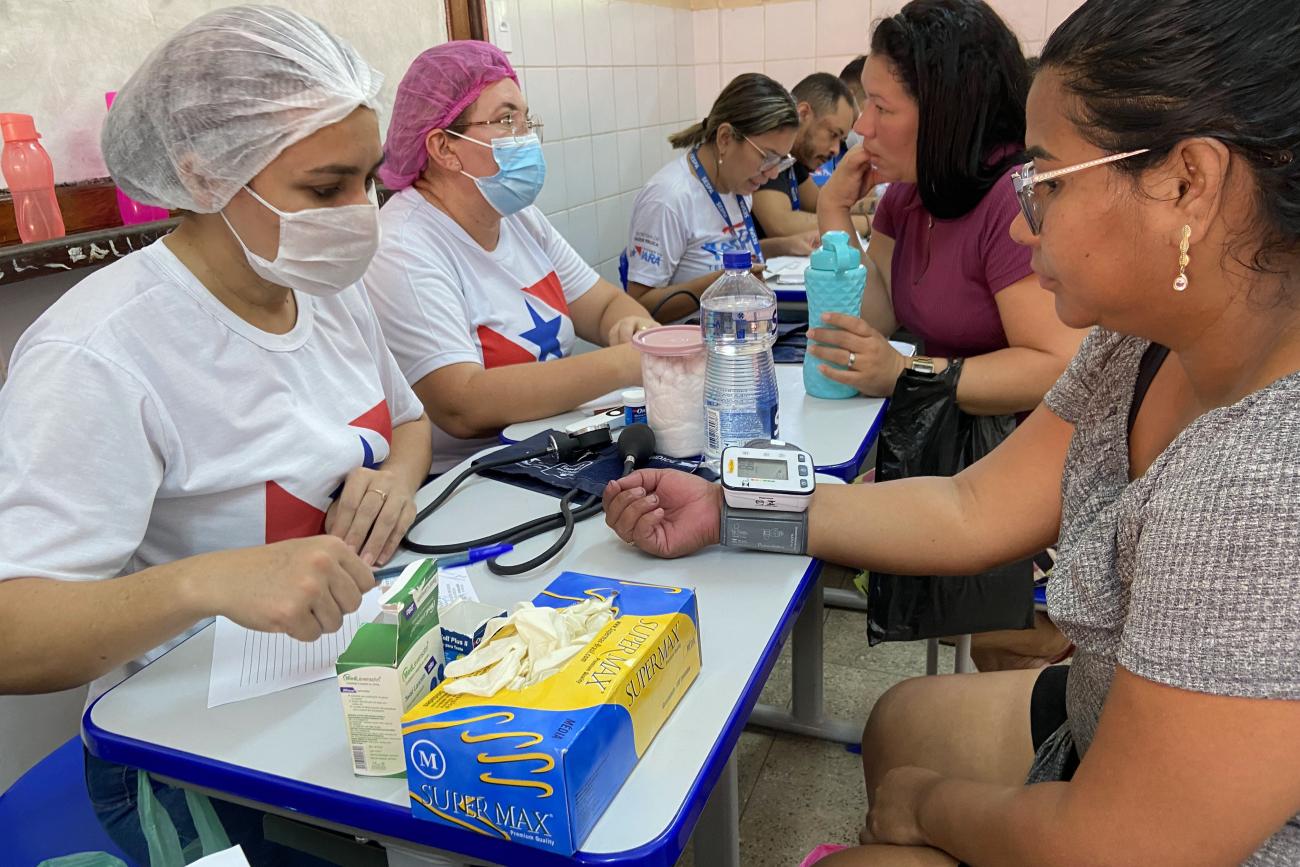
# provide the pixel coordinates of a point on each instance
(634, 406)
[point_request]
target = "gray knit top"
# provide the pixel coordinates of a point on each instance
(1188, 576)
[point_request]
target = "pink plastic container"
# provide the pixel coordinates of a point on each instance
(132, 211)
(673, 361)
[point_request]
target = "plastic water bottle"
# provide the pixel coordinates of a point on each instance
(833, 280)
(738, 315)
(30, 176)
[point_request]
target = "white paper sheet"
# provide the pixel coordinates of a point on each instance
(453, 586)
(785, 270)
(246, 664)
(233, 857)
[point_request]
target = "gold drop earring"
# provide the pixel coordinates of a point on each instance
(1180, 282)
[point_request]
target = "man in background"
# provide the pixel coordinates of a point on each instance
(787, 205)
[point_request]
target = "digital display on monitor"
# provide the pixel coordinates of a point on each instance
(755, 468)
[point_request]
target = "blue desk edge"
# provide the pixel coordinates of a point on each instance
(391, 820)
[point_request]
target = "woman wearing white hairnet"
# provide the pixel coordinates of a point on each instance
(473, 285)
(212, 423)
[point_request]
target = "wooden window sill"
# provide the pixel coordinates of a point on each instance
(77, 252)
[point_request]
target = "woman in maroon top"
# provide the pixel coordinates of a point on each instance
(944, 123)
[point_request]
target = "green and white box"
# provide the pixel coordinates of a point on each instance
(389, 666)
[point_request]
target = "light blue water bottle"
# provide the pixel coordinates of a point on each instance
(738, 316)
(833, 280)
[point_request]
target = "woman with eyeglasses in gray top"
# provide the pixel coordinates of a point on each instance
(1162, 207)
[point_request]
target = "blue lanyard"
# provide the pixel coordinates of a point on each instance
(722, 209)
(794, 189)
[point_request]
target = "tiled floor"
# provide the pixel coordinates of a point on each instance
(798, 792)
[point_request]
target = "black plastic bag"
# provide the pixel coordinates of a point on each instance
(925, 433)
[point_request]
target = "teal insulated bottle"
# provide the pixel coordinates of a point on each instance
(833, 280)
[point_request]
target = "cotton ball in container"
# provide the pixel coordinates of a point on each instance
(672, 372)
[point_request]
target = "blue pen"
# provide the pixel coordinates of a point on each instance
(473, 555)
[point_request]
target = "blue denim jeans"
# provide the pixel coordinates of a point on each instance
(113, 792)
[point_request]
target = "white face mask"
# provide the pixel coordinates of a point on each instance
(322, 250)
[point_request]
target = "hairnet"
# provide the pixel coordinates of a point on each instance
(441, 83)
(216, 103)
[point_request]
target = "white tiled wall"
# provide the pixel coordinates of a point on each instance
(788, 39)
(612, 79)
(75, 51)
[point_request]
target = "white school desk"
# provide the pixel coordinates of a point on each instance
(286, 753)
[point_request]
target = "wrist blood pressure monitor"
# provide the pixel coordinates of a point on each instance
(766, 486)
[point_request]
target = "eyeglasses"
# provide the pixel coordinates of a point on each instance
(780, 162)
(1025, 178)
(514, 123)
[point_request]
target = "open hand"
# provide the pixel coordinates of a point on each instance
(372, 514)
(667, 513)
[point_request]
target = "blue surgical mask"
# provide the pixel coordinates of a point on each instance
(521, 171)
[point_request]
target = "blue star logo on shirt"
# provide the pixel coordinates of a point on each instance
(368, 455)
(545, 333)
(367, 460)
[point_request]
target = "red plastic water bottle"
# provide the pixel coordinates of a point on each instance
(31, 180)
(30, 176)
(132, 211)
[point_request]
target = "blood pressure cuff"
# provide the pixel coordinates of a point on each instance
(589, 472)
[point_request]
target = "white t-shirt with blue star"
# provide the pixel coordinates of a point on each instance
(442, 299)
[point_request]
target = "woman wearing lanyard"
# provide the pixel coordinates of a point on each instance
(698, 206)
(473, 286)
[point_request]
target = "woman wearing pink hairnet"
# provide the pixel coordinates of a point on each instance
(473, 286)
(211, 425)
